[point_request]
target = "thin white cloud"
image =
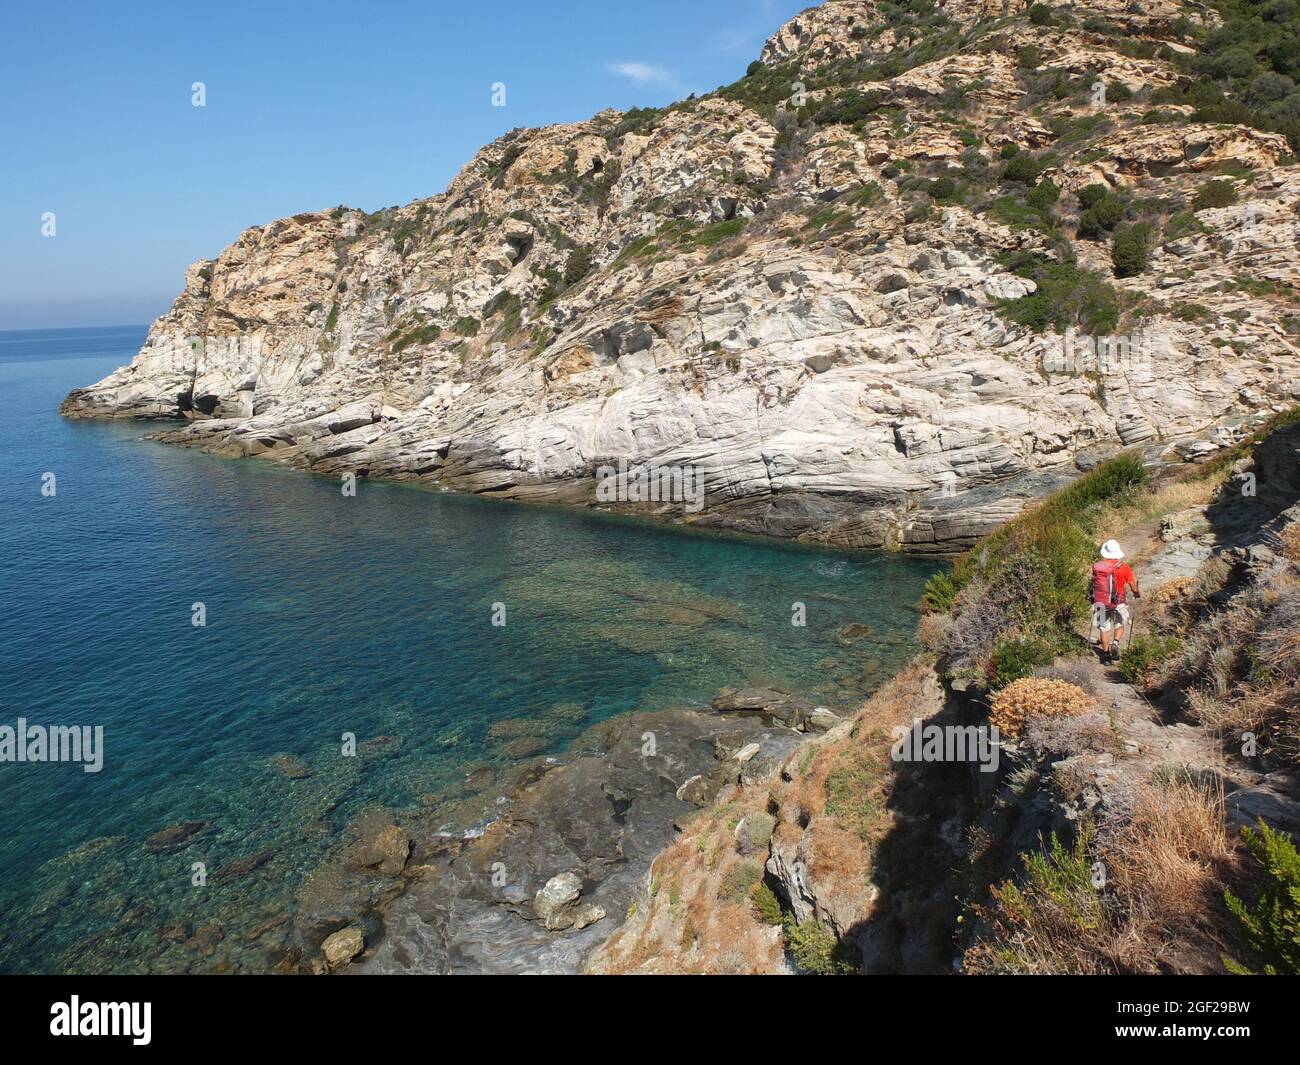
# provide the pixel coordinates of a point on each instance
(733, 40)
(641, 73)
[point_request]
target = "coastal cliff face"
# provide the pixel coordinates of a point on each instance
(859, 292)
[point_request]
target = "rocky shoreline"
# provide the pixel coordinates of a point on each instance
(940, 528)
(539, 887)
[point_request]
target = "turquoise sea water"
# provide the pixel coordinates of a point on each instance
(328, 615)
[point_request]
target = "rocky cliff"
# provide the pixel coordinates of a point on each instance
(861, 292)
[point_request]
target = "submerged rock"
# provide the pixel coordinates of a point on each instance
(291, 766)
(92, 848)
(241, 867)
(175, 837)
(852, 633)
(524, 747)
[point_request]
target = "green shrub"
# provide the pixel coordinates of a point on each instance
(1022, 167)
(1012, 211)
(1183, 224)
(1246, 69)
(1037, 921)
(1271, 927)
(816, 950)
(1043, 195)
(577, 266)
(1215, 193)
(767, 905)
(1091, 195)
(1145, 652)
(1040, 15)
(849, 107)
(865, 195)
(1108, 483)
(1016, 658)
(1029, 57)
(1130, 249)
(940, 593)
(1067, 295)
(400, 340)
(718, 231)
(944, 190)
(466, 327)
(829, 221)
(1102, 211)
(638, 120)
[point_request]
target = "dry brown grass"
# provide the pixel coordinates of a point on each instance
(901, 699)
(1159, 909)
(932, 631)
(1169, 865)
(1143, 508)
(1036, 697)
(1288, 542)
(1172, 606)
(1167, 859)
(1240, 667)
(838, 861)
(690, 923)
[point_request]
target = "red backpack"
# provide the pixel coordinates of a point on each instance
(1103, 581)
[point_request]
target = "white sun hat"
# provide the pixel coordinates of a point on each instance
(1111, 549)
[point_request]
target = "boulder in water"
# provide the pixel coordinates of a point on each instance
(175, 837)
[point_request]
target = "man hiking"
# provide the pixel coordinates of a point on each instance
(1112, 577)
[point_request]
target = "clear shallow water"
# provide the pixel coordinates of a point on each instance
(325, 615)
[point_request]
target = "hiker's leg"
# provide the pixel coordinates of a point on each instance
(1121, 620)
(1107, 627)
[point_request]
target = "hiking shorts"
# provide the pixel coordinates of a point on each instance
(1119, 614)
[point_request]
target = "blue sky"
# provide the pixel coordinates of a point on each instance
(308, 105)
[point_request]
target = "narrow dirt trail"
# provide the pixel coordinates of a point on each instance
(1155, 736)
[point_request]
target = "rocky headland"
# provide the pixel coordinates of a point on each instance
(839, 289)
